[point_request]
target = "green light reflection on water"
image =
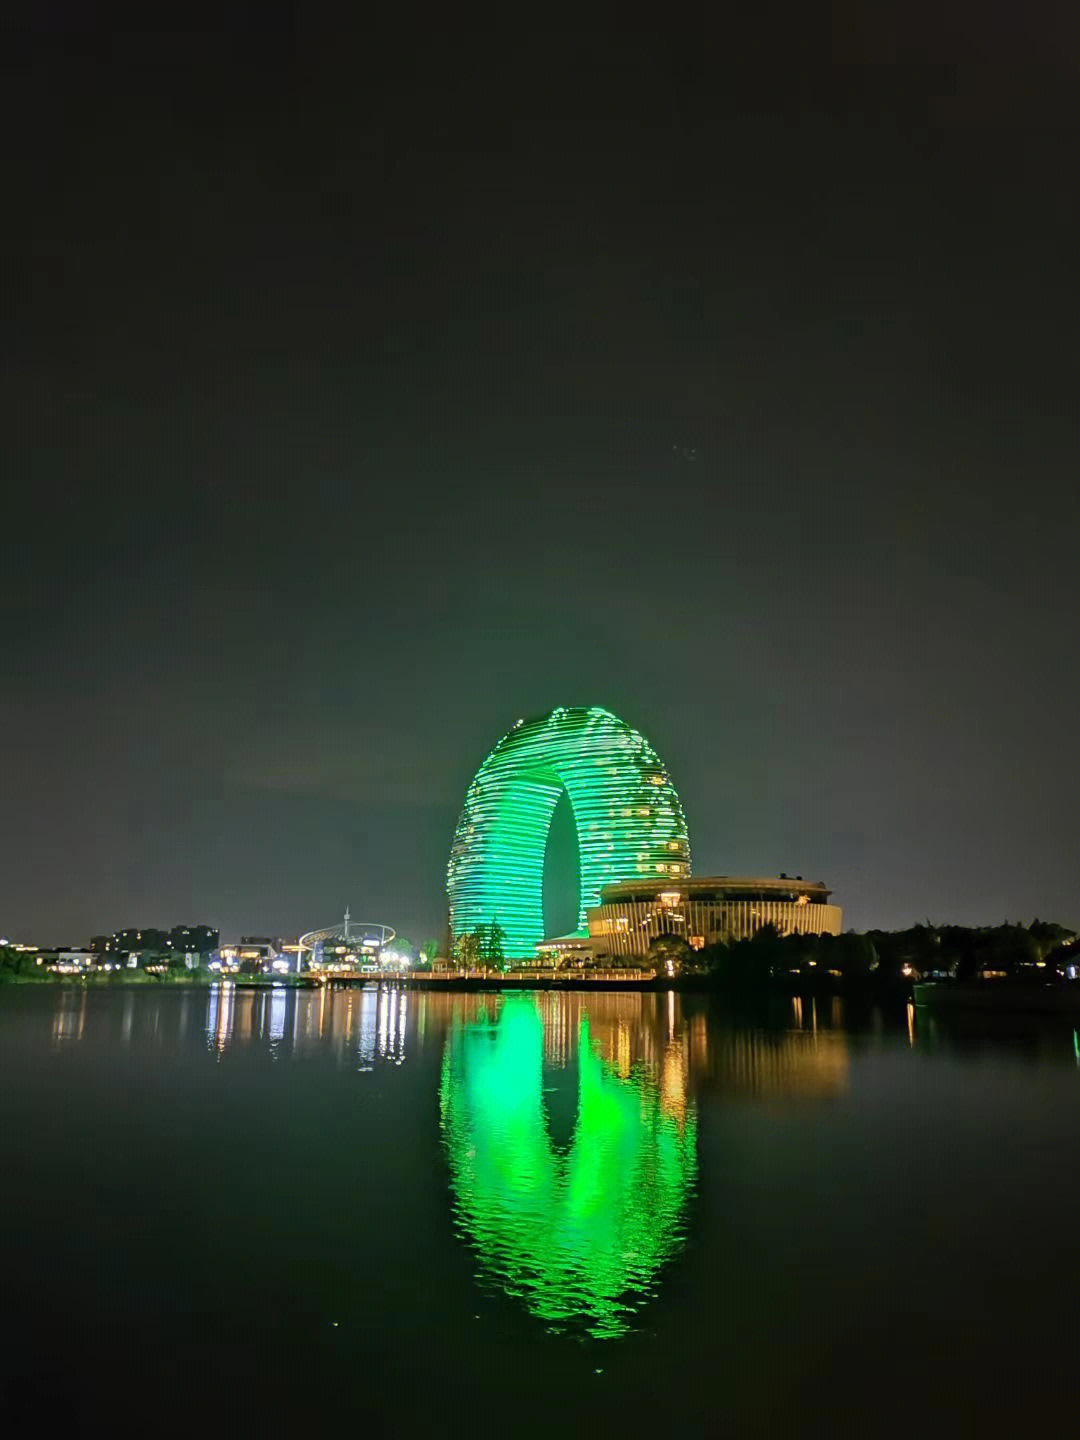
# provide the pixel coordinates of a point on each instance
(579, 1237)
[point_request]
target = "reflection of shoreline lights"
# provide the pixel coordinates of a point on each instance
(219, 1016)
(797, 1063)
(70, 1018)
(278, 1001)
(628, 817)
(579, 1237)
(369, 1024)
(384, 1026)
(359, 1026)
(392, 1030)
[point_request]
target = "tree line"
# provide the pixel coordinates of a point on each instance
(1039, 951)
(482, 947)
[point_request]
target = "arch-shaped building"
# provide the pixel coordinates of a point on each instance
(630, 821)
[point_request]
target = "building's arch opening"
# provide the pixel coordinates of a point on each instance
(562, 872)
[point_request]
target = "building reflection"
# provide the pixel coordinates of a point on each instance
(392, 1040)
(279, 1000)
(685, 1052)
(804, 1063)
(245, 1011)
(69, 1022)
(359, 1027)
(682, 1055)
(236, 1016)
(625, 1029)
(219, 1016)
(369, 1020)
(579, 1235)
(309, 1019)
(677, 1044)
(383, 1023)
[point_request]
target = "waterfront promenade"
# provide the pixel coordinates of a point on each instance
(481, 979)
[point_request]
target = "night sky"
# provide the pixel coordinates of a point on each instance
(367, 390)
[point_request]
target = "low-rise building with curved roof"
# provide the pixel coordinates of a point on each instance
(704, 911)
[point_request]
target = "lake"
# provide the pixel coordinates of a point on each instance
(376, 1212)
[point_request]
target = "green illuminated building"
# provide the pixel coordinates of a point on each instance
(630, 822)
(580, 1236)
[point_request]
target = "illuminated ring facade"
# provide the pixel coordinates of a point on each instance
(629, 819)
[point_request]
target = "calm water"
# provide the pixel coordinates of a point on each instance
(366, 1212)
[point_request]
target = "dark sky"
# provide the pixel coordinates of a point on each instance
(367, 390)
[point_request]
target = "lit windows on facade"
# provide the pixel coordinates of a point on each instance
(709, 910)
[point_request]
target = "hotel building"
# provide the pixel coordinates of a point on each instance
(634, 913)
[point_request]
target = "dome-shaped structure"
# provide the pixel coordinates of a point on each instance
(629, 820)
(352, 939)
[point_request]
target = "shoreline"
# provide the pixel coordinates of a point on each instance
(947, 997)
(477, 985)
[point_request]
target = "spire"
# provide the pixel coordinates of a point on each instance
(346, 922)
